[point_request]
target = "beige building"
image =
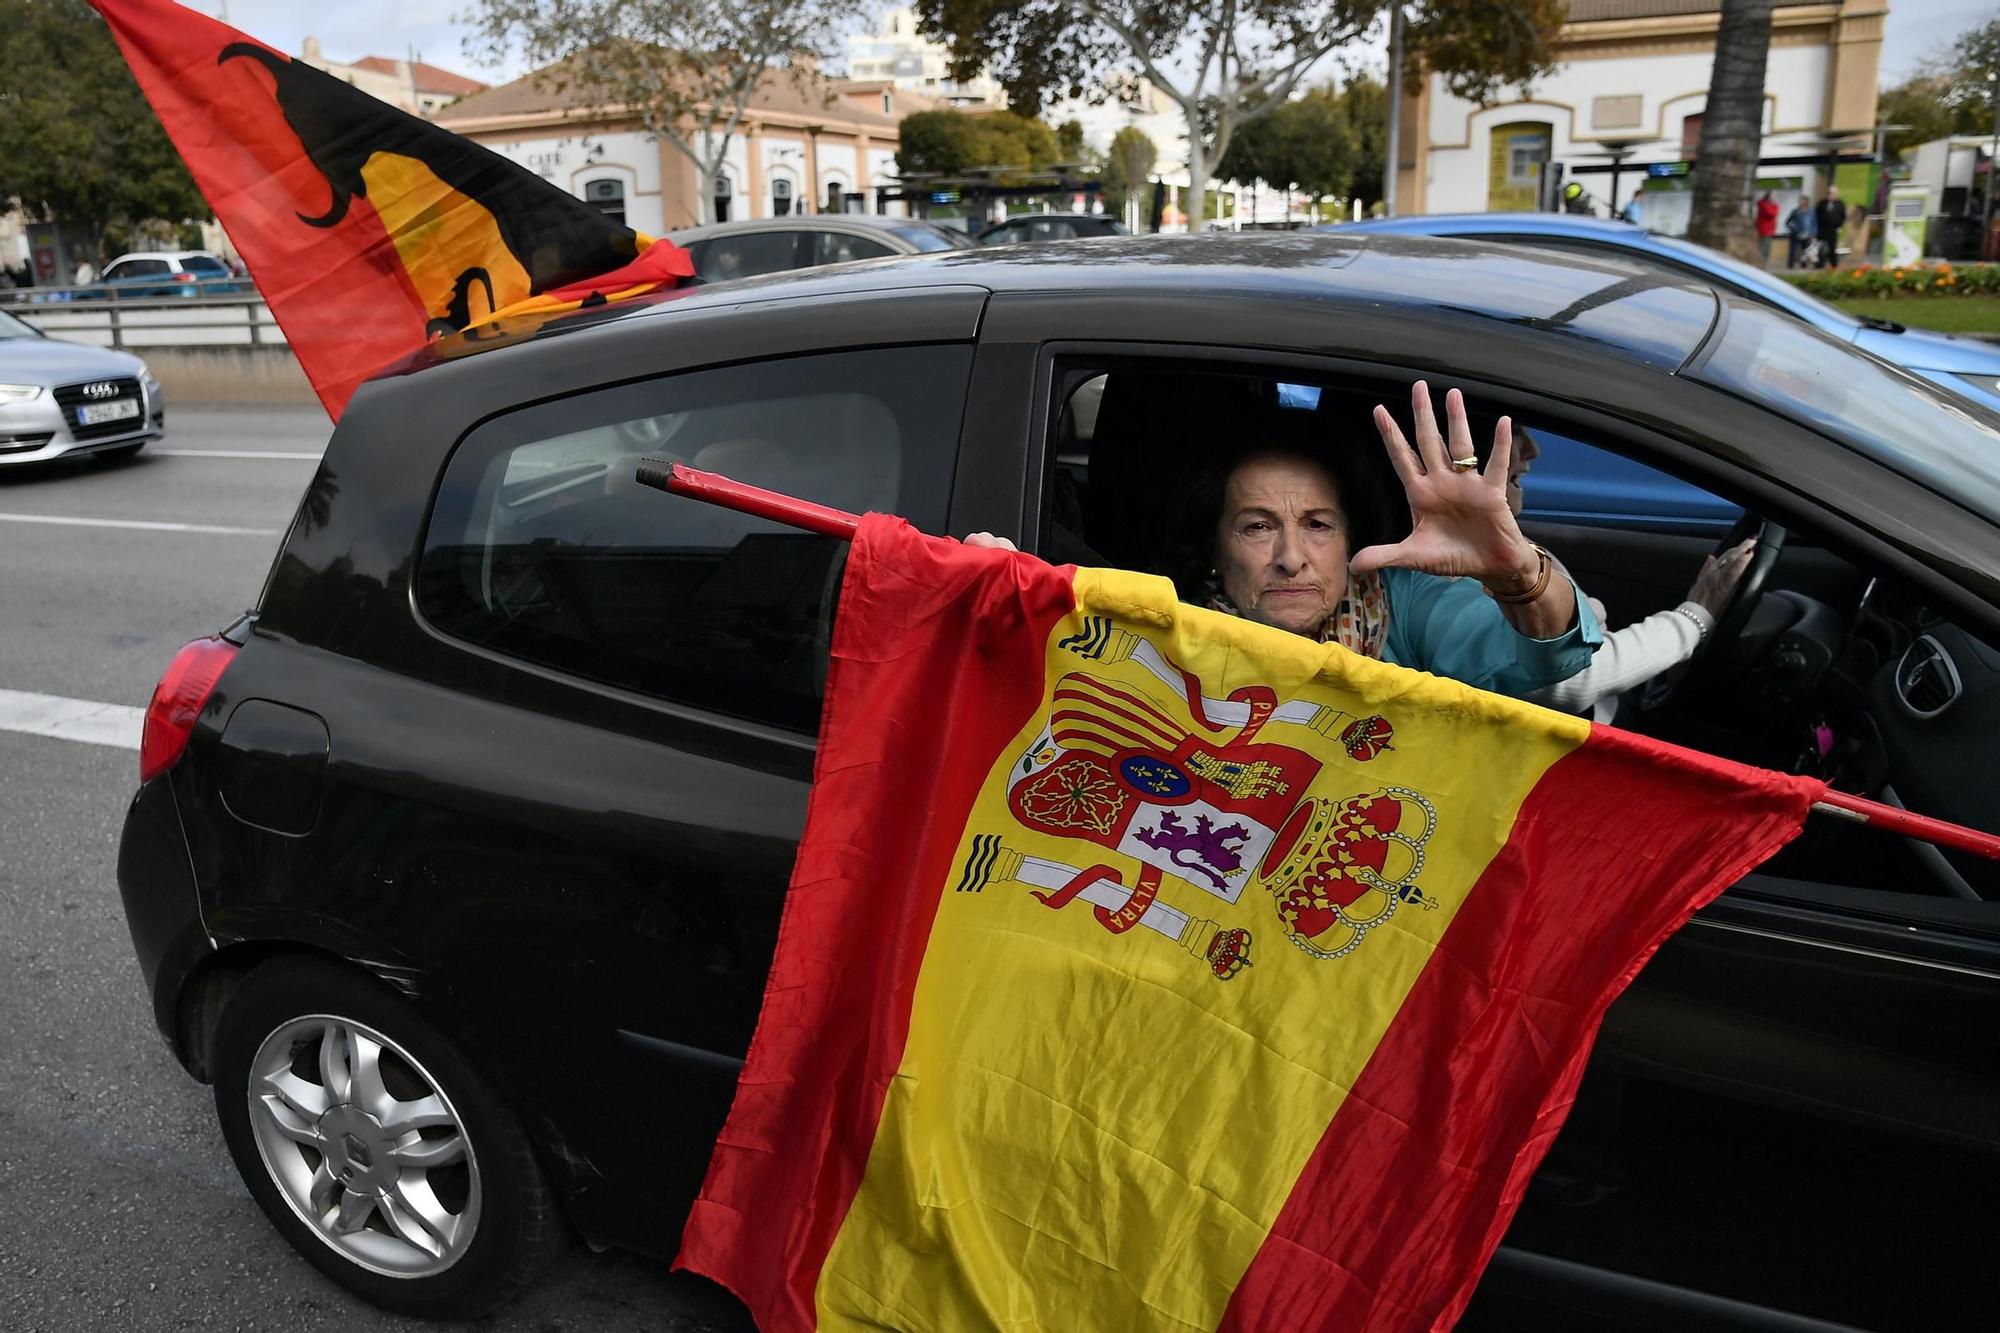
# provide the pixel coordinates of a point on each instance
(410, 84)
(899, 54)
(1635, 73)
(821, 145)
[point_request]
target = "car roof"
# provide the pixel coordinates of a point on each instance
(1659, 318)
(166, 254)
(1550, 224)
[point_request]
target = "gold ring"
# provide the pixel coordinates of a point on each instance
(1464, 464)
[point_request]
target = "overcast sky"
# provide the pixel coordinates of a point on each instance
(356, 28)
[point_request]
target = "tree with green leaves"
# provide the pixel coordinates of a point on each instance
(1732, 131)
(952, 143)
(1226, 63)
(1364, 103)
(1949, 94)
(685, 69)
(1128, 168)
(78, 141)
(1070, 143)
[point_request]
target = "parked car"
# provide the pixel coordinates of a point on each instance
(457, 861)
(726, 250)
(170, 273)
(59, 398)
(1968, 366)
(1050, 227)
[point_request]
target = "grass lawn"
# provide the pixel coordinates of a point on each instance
(1946, 314)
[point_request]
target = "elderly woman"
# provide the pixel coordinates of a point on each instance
(1465, 595)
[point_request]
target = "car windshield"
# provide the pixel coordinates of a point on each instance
(1946, 442)
(1755, 279)
(928, 239)
(14, 328)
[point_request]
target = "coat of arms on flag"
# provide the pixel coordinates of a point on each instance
(1144, 968)
(1202, 796)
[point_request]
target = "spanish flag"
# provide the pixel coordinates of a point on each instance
(1145, 968)
(368, 230)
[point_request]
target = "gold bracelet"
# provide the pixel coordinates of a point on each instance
(1547, 569)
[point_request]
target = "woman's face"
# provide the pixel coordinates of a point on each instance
(1281, 547)
(1526, 451)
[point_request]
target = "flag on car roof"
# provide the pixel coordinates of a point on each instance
(369, 230)
(1145, 968)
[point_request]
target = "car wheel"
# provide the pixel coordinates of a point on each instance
(375, 1147)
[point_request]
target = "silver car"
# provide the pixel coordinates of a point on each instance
(59, 398)
(725, 250)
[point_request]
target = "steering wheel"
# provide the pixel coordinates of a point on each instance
(1658, 692)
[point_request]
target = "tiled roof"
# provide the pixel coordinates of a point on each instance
(778, 91)
(429, 78)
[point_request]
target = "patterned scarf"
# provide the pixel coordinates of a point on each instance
(1359, 624)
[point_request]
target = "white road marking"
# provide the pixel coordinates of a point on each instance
(65, 520)
(227, 453)
(71, 719)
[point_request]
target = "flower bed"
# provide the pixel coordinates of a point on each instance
(1909, 280)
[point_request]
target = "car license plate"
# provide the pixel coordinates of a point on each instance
(93, 414)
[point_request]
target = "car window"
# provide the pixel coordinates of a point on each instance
(1944, 441)
(205, 266)
(1052, 229)
(747, 254)
(927, 239)
(1008, 235)
(11, 327)
(139, 268)
(835, 247)
(543, 547)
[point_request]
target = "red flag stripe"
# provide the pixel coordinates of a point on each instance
(1406, 1120)
(795, 1214)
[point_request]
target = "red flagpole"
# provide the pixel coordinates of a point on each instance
(679, 479)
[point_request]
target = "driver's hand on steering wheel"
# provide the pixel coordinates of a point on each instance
(1719, 576)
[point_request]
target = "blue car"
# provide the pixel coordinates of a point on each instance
(1560, 491)
(1963, 365)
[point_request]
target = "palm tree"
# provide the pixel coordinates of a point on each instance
(1732, 130)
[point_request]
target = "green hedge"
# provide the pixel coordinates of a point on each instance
(1912, 280)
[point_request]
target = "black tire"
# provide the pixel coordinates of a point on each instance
(516, 1227)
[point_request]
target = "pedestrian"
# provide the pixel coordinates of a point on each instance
(1828, 219)
(1576, 199)
(1799, 228)
(1767, 225)
(85, 274)
(1632, 212)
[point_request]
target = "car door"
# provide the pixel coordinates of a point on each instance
(139, 278)
(1806, 1061)
(566, 775)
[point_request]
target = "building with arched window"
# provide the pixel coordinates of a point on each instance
(1634, 79)
(805, 145)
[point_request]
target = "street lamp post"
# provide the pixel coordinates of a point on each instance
(1394, 136)
(1992, 165)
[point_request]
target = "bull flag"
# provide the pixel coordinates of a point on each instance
(368, 230)
(1145, 968)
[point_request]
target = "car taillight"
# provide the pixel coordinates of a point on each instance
(183, 277)
(178, 700)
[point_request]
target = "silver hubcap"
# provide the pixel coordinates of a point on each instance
(364, 1145)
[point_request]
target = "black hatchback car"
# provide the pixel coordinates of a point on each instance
(457, 862)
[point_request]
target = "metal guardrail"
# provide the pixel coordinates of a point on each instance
(109, 317)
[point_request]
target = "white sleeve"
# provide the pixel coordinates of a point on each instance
(1639, 652)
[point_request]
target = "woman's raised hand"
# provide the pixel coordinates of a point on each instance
(1460, 523)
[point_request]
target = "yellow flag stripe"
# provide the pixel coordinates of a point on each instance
(1081, 1117)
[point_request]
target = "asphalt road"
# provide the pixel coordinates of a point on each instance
(121, 1207)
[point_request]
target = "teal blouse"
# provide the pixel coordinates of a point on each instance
(1450, 627)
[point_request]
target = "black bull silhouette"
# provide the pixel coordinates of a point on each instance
(556, 237)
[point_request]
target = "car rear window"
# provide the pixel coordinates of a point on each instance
(543, 547)
(205, 266)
